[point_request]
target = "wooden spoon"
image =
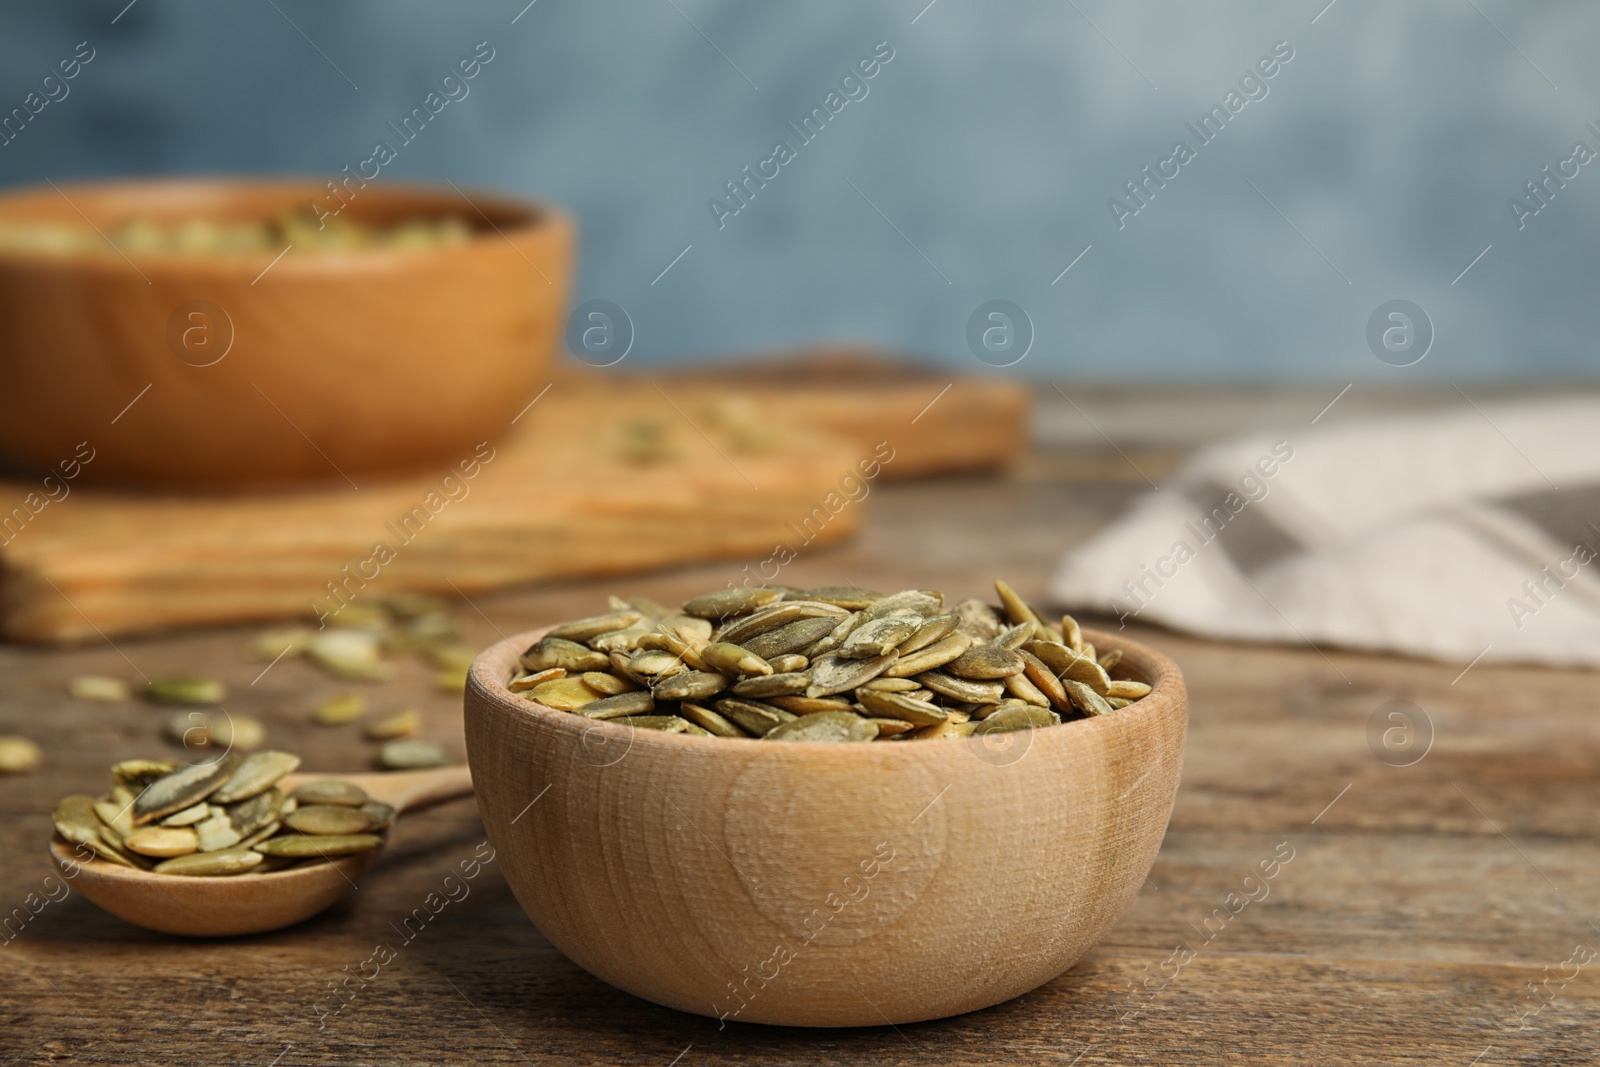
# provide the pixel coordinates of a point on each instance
(249, 903)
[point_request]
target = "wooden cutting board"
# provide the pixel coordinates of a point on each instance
(603, 474)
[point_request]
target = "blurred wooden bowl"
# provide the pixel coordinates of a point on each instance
(814, 884)
(323, 366)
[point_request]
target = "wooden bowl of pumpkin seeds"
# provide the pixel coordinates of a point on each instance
(733, 808)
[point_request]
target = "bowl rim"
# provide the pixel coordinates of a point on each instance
(539, 218)
(1167, 692)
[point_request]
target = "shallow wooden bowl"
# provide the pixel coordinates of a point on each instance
(815, 884)
(320, 367)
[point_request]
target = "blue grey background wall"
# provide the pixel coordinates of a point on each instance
(1335, 157)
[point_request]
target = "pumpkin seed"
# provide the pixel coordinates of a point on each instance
(383, 815)
(848, 597)
(985, 661)
(667, 724)
(755, 717)
(75, 819)
(923, 602)
(99, 689)
(1128, 690)
(594, 626)
(618, 640)
(250, 816)
(804, 705)
(1045, 680)
(885, 684)
(690, 685)
(303, 845)
(1017, 716)
(696, 632)
(932, 629)
(107, 851)
(635, 703)
(1069, 664)
(329, 820)
(889, 727)
(789, 639)
(184, 689)
(1118, 702)
(163, 841)
(935, 655)
(733, 659)
(211, 864)
(528, 679)
(608, 684)
(18, 755)
(977, 620)
(1085, 697)
(1014, 637)
(119, 816)
(1019, 686)
(340, 710)
(681, 651)
(182, 789)
(330, 791)
(232, 731)
(789, 664)
(726, 602)
(825, 726)
(897, 706)
(187, 817)
(880, 636)
(355, 655)
(404, 723)
(555, 652)
(773, 685)
(1072, 636)
(962, 688)
(655, 663)
(834, 673)
(1111, 659)
(216, 832)
(565, 694)
(938, 731)
(138, 773)
(746, 627)
(410, 754)
(836, 637)
(709, 721)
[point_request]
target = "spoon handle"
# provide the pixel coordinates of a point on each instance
(404, 790)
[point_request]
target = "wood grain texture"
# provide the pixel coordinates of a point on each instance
(340, 364)
(558, 500)
(792, 883)
(1404, 930)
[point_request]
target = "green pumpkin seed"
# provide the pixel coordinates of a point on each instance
(898, 706)
(844, 596)
(754, 717)
(962, 688)
(804, 705)
(623, 704)
(985, 662)
(191, 729)
(922, 602)
(977, 620)
(303, 845)
(1014, 637)
(726, 602)
(184, 689)
(404, 723)
(75, 819)
(1085, 698)
(211, 864)
(733, 659)
(834, 673)
(1066, 664)
(781, 614)
(117, 816)
(216, 832)
(937, 654)
(889, 727)
(527, 680)
(667, 724)
(789, 664)
(138, 773)
(594, 626)
(709, 721)
(329, 820)
(162, 841)
(791, 638)
(249, 816)
(383, 815)
(618, 640)
(880, 636)
(773, 685)
(825, 726)
(182, 789)
(1019, 686)
(411, 754)
(655, 663)
(568, 655)
(1127, 689)
(340, 710)
(1045, 680)
(18, 755)
(330, 791)
(1111, 659)
(107, 851)
(607, 684)
(564, 694)
(98, 689)
(836, 637)
(187, 817)
(1016, 716)
(233, 731)
(680, 650)
(885, 684)
(690, 685)
(935, 628)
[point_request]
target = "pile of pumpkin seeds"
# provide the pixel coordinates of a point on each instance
(224, 817)
(832, 664)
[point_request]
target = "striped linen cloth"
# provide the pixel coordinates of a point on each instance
(1464, 535)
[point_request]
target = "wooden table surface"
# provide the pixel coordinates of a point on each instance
(1446, 912)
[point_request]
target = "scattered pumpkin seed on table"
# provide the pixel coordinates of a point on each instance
(221, 818)
(831, 664)
(18, 755)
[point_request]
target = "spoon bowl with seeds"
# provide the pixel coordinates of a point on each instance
(233, 846)
(825, 807)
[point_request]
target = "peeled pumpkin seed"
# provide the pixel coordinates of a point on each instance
(937, 654)
(211, 864)
(187, 817)
(75, 819)
(182, 788)
(162, 841)
(690, 685)
(19, 755)
(329, 820)
(896, 706)
(191, 729)
(184, 689)
(773, 685)
(825, 726)
(1111, 659)
(635, 703)
(340, 710)
(99, 689)
(249, 816)
(733, 659)
(901, 666)
(411, 754)
(120, 816)
(138, 773)
(330, 791)
(305, 845)
(787, 640)
(216, 832)
(985, 661)
(233, 731)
